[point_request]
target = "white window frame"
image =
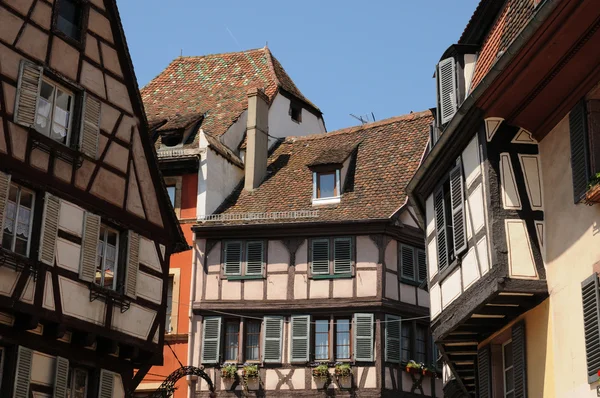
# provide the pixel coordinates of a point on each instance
(504, 370)
(72, 379)
(51, 116)
(316, 200)
(14, 238)
(116, 270)
(174, 273)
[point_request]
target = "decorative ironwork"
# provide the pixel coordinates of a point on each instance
(17, 262)
(97, 292)
(167, 387)
(59, 151)
(274, 215)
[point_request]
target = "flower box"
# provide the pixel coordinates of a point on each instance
(593, 194)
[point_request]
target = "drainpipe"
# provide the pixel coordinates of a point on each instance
(192, 380)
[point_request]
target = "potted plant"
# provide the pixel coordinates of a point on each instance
(593, 194)
(229, 371)
(251, 376)
(321, 371)
(343, 369)
(413, 367)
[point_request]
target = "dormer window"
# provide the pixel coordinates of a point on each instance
(296, 112)
(326, 186)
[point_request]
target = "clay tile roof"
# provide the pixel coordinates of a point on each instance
(215, 86)
(386, 155)
(512, 19)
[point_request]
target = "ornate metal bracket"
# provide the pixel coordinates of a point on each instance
(97, 292)
(59, 151)
(18, 262)
(167, 387)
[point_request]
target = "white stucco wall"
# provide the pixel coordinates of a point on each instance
(282, 125)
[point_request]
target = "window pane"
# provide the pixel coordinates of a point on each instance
(79, 386)
(69, 17)
(322, 339)
(171, 192)
(252, 340)
(44, 108)
(10, 214)
(232, 330)
(421, 348)
(342, 339)
(326, 185)
(406, 332)
(508, 358)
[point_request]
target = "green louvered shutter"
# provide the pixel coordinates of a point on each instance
(484, 373)
(407, 262)
(272, 338)
(519, 360)
(133, 264)
(342, 256)
(49, 229)
(90, 126)
(107, 381)
(440, 229)
(320, 257)
(392, 338)
(363, 337)
(254, 258)
(4, 189)
(89, 247)
(211, 339)
(28, 88)
(61, 374)
(422, 264)
(446, 76)
(590, 292)
(580, 159)
(23, 372)
(233, 258)
(457, 199)
(300, 338)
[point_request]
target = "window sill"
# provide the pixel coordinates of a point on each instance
(50, 146)
(243, 277)
(18, 262)
(335, 276)
(107, 295)
(326, 201)
(411, 282)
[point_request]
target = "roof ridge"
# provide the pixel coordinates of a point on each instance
(353, 129)
(272, 66)
(219, 54)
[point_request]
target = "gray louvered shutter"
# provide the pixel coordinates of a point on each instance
(30, 80)
(342, 256)
(440, 229)
(90, 126)
(392, 338)
(89, 247)
(593, 130)
(446, 76)
(363, 337)
(254, 258)
(300, 325)
(484, 373)
(580, 161)
(23, 372)
(320, 257)
(519, 360)
(61, 374)
(457, 199)
(233, 258)
(133, 264)
(407, 262)
(422, 264)
(211, 339)
(107, 381)
(272, 339)
(49, 229)
(590, 293)
(4, 189)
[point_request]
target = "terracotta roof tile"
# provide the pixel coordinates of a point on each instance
(388, 153)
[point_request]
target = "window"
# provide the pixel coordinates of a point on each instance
(413, 263)
(168, 324)
(54, 112)
(244, 258)
(106, 265)
(406, 343)
(252, 340)
(321, 339)
(331, 256)
(69, 18)
(590, 294)
(507, 368)
(232, 340)
(77, 383)
(327, 184)
(296, 112)
(421, 344)
(171, 191)
(342, 339)
(584, 126)
(18, 220)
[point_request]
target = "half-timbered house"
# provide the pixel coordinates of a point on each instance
(87, 229)
(512, 248)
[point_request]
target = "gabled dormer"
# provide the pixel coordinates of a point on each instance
(329, 172)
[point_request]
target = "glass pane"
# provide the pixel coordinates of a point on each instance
(508, 358)
(421, 348)
(342, 339)
(406, 332)
(232, 330)
(47, 92)
(79, 385)
(326, 185)
(20, 247)
(69, 17)
(63, 100)
(252, 341)
(171, 192)
(509, 380)
(322, 339)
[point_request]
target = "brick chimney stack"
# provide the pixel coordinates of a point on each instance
(257, 144)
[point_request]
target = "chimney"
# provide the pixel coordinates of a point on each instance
(257, 139)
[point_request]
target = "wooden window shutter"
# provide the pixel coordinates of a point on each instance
(319, 263)
(300, 338)
(254, 258)
(89, 247)
(107, 381)
(363, 337)
(28, 88)
(61, 375)
(23, 372)
(90, 126)
(593, 128)
(484, 373)
(233, 258)
(447, 89)
(49, 229)
(519, 360)
(580, 166)
(4, 188)
(211, 339)
(133, 264)
(407, 262)
(422, 264)
(590, 292)
(392, 338)
(440, 228)
(342, 256)
(457, 199)
(272, 339)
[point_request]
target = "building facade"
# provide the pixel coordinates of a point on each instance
(87, 229)
(201, 154)
(308, 280)
(508, 198)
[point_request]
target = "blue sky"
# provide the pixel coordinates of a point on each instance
(345, 56)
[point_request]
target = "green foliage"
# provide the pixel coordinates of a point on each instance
(250, 371)
(229, 371)
(343, 369)
(321, 371)
(595, 180)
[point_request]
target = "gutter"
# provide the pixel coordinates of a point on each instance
(190, 353)
(544, 10)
